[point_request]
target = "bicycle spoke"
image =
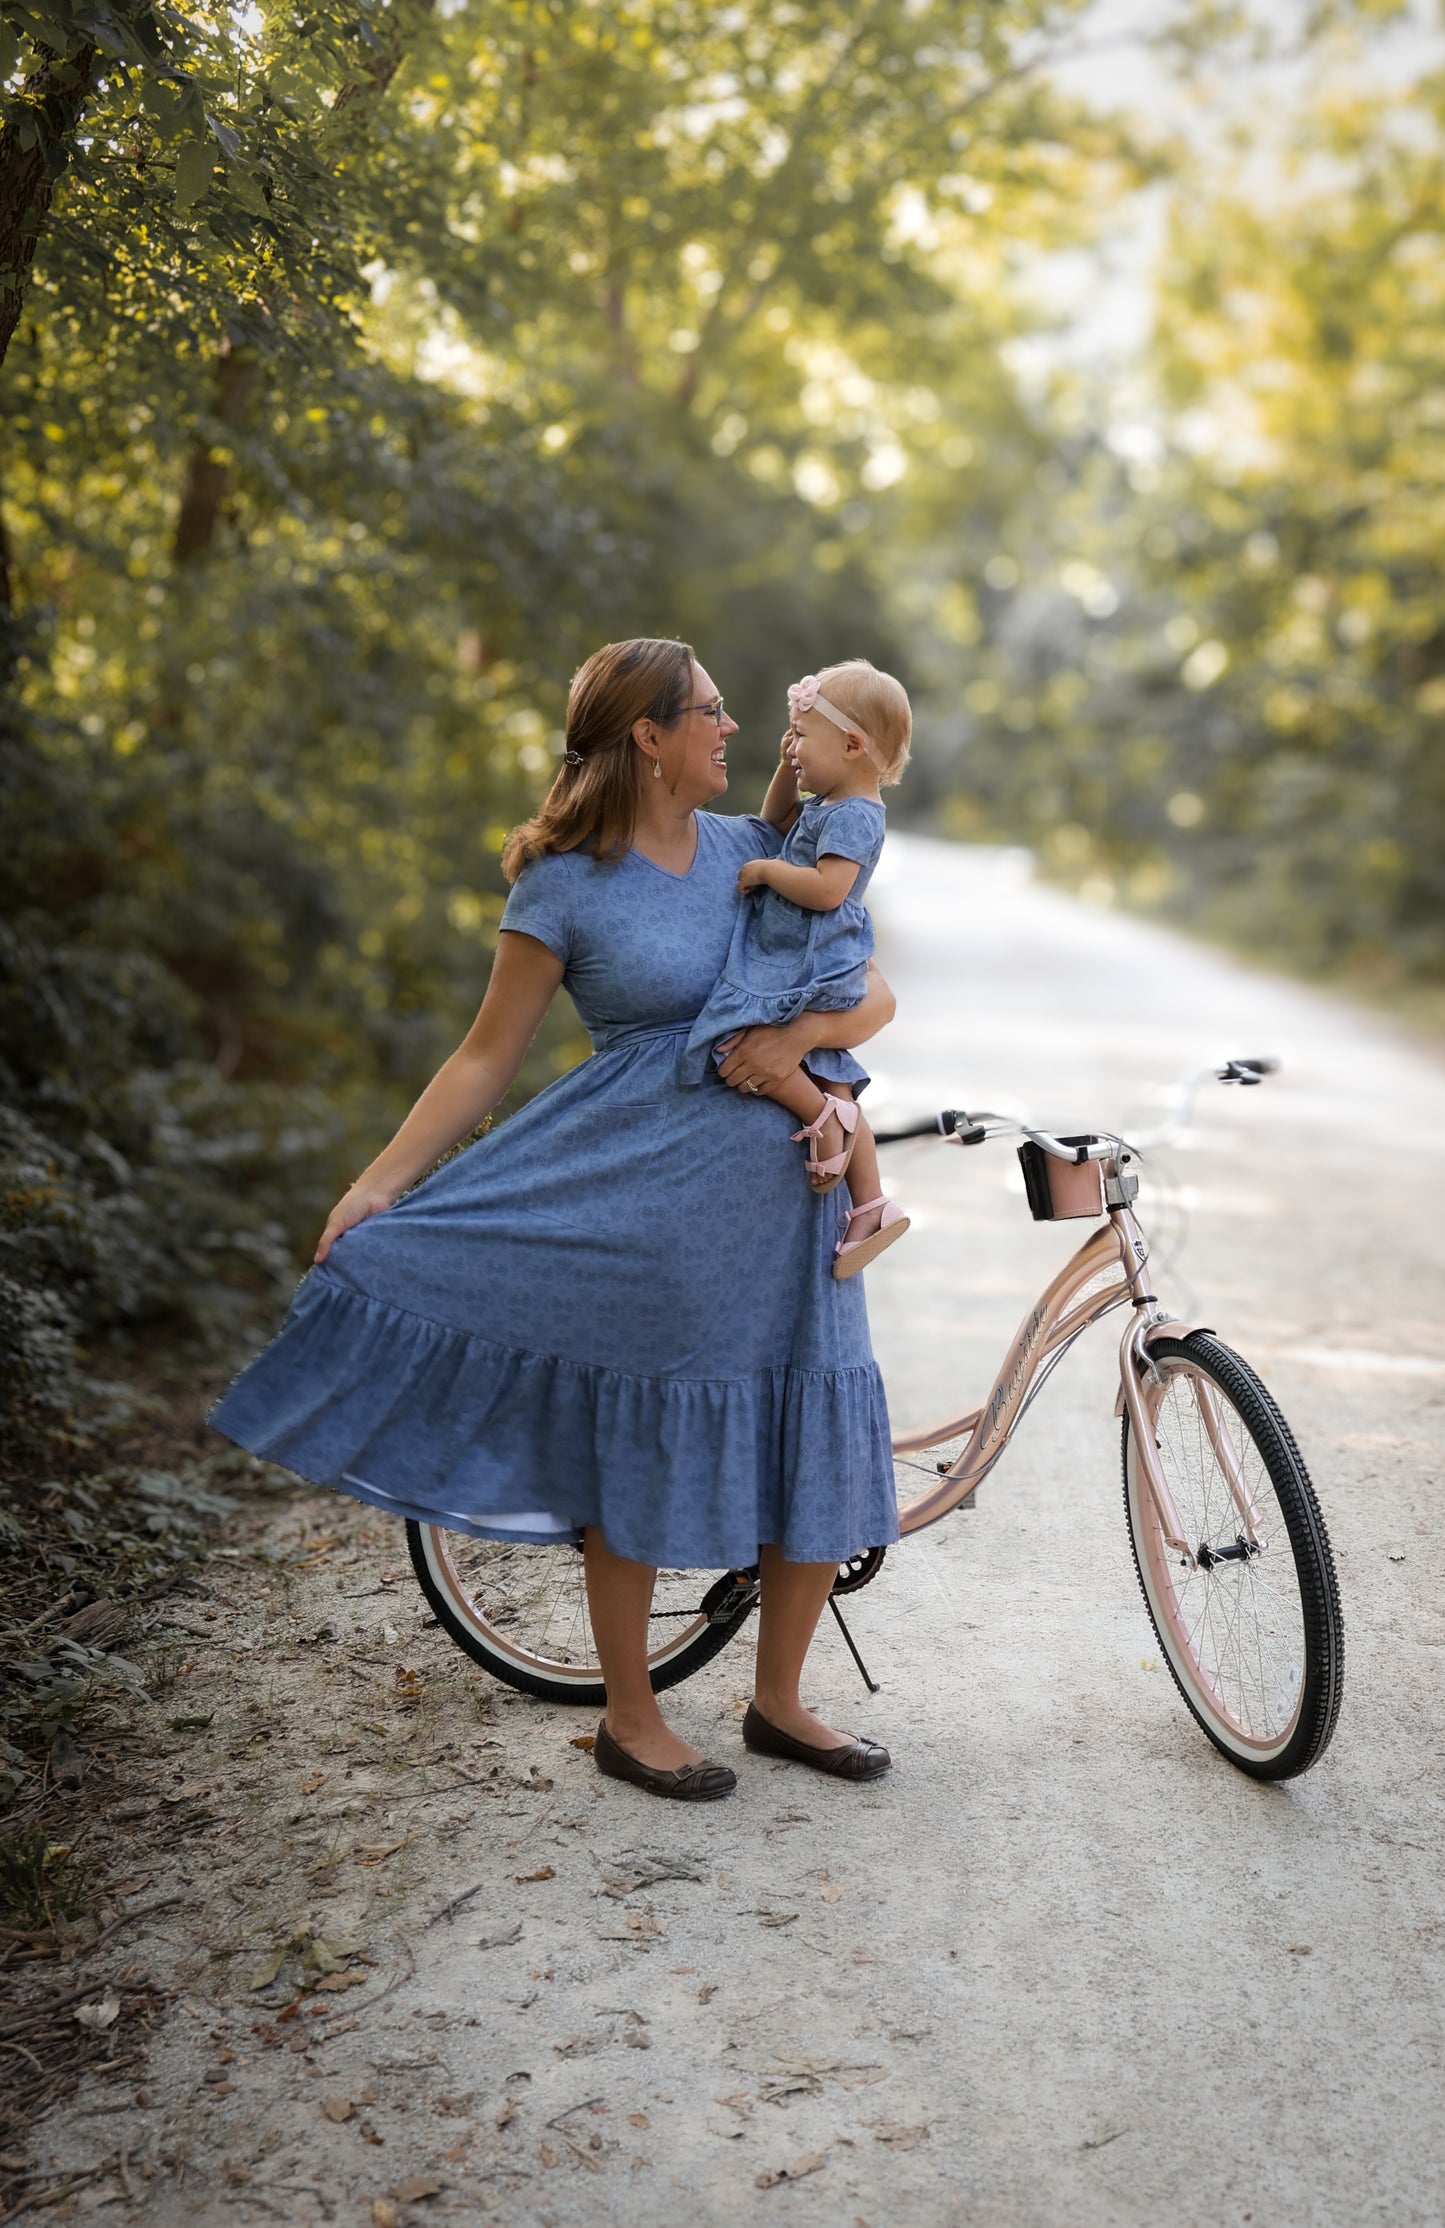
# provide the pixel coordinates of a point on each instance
(1240, 1619)
(533, 1601)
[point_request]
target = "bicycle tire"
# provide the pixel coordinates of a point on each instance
(477, 1631)
(1231, 1702)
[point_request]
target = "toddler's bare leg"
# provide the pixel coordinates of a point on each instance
(863, 1179)
(801, 1096)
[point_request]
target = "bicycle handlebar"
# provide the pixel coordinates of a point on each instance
(968, 1129)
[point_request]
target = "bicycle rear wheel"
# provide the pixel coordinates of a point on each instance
(521, 1612)
(1252, 1629)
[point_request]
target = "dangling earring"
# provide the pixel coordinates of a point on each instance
(657, 769)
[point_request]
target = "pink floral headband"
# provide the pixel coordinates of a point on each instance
(803, 697)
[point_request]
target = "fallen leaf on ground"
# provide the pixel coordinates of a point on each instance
(901, 2138)
(342, 2027)
(831, 1891)
(338, 2108)
(506, 2116)
(383, 2213)
(707, 1992)
(372, 1852)
(325, 1953)
(417, 2186)
(548, 2156)
(793, 2173)
(309, 1786)
(777, 1918)
(636, 1872)
(585, 1740)
(499, 1941)
(333, 1983)
(638, 2119)
(543, 1872)
(102, 2014)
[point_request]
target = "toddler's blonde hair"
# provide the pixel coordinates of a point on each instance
(880, 706)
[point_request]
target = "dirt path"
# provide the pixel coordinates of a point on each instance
(1064, 1963)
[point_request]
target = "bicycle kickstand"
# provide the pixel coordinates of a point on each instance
(871, 1684)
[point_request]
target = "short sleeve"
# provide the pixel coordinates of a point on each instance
(745, 834)
(852, 830)
(540, 904)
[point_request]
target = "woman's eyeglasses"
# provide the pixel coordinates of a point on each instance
(714, 710)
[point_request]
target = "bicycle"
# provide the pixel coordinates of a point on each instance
(1229, 1543)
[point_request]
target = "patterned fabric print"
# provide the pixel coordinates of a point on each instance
(784, 958)
(616, 1307)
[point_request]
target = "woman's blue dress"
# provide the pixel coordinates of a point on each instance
(616, 1307)
(785, 957)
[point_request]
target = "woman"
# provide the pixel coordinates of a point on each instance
(613, 1314)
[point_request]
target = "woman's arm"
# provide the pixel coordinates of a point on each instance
(524, 979)
(773, 1055)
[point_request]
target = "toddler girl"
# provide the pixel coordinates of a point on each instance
(806, 940)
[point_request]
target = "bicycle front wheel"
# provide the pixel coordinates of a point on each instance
(521, 1612)
(1250, 1622)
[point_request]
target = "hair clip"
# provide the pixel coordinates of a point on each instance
(572, 757)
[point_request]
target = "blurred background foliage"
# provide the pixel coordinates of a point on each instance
(368, 366)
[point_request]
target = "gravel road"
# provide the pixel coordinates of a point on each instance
(1064, 1965)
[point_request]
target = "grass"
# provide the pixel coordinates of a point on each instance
(42, 1882)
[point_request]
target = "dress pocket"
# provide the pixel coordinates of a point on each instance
(588, 1167)
(780, 938)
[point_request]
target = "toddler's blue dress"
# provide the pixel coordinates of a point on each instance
(783, 957)
(616, 1307)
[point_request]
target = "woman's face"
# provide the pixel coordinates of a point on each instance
(693, 751)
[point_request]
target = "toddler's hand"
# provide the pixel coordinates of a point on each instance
(754, 875)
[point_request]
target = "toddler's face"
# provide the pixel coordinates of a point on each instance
(818, 751)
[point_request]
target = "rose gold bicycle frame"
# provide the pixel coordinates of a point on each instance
(1057, 1315)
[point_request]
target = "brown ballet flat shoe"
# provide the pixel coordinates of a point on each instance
(855, 1759)
(690, 1783)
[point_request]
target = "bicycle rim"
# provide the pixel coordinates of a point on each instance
(1253, 1635)
(521, 1612)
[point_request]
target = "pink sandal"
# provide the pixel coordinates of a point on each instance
(853, 1254)
(835, 1167)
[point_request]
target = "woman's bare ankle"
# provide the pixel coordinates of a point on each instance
(647, 1735)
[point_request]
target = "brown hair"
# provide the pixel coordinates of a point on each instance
(880, 706)
(592, 805)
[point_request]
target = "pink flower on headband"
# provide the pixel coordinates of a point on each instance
(803, 695)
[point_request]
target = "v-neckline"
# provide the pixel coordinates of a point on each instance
(658, 867)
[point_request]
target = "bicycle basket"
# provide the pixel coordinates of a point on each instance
(1061, 1190)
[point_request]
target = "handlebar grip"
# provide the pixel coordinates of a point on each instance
(933, 1127)
(1241, 1070)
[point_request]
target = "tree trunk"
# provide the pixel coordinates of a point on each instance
(29, 175)
(209, 477)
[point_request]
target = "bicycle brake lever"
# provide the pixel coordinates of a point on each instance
(962, 1127)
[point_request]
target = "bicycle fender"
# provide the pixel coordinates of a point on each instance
(1169, 1327)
